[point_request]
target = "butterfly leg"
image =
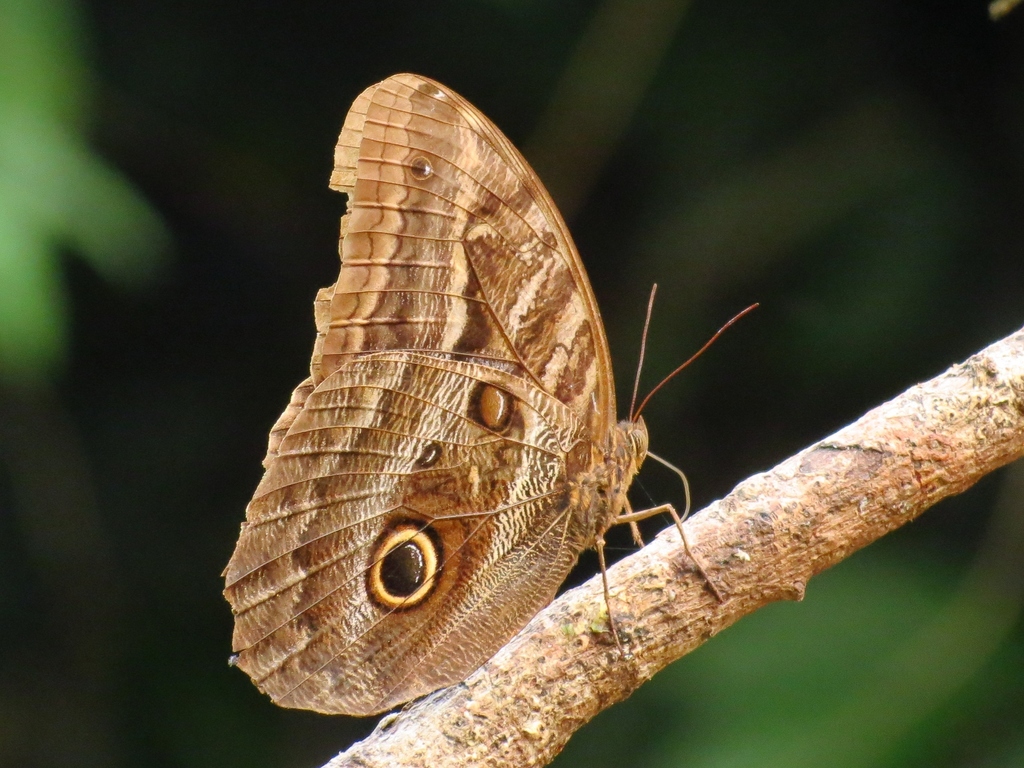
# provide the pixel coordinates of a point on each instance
(599, 546)
(632, 518)
(633, 528)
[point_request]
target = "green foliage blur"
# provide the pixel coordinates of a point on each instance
(855, 167)
(55, 190)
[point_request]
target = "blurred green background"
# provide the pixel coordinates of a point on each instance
(856, 167)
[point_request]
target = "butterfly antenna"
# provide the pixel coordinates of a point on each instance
(697, 354)
(643, 349)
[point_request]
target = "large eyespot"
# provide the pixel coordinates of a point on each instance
(491, 407)
(404, 567)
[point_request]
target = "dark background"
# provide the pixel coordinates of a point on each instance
(856, 167)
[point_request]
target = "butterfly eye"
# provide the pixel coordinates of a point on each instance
(492, 407)
(404, 568)
(421, 168)
(638, 442)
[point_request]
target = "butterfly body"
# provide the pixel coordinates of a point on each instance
(599, 484)
(455, 447)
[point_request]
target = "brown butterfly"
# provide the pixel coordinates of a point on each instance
(455, 447)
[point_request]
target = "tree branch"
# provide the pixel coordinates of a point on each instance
(761, 543)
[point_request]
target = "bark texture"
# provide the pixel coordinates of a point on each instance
(760, 543)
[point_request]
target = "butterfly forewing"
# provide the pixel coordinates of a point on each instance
(459, 375)
(471, 257)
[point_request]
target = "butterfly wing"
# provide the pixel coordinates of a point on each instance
(311, 629)
(453, 244)
(457, 277)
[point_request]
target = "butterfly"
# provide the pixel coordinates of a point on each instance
(455, 447)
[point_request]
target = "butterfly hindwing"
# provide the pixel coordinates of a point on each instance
(392, 440)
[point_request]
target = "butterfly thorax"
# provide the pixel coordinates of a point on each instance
(598, 491)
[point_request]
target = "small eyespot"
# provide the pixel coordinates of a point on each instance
(420, 168)
(430, 456)
(492, 407)
(431, 90)
(404, 568)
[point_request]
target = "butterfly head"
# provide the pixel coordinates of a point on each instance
(636, 436)
(629, 449)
